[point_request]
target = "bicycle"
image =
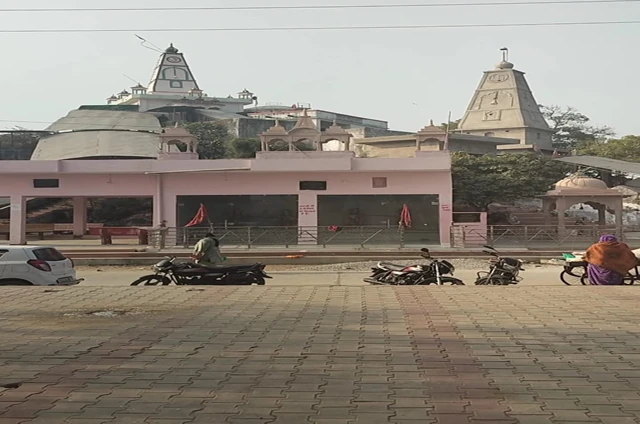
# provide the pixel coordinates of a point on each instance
(568, 274)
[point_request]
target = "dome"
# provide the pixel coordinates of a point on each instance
(504, 65)
(581, 182)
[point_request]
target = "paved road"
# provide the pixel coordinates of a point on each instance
(123, 277)
(320, 355)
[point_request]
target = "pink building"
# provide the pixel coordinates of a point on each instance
(321, 188)
(123, 150)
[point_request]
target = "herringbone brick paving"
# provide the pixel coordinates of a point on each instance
(321, 355)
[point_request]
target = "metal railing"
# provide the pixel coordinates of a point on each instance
(249, 237)
(536, 236)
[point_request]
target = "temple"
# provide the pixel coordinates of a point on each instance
(503, 106)
(502, 117)
(174, 89)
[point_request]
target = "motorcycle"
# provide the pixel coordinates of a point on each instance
(502, 271)
(169, 271)
(435, 272)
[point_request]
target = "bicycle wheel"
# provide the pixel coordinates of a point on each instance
(570, 278)
(626, 281)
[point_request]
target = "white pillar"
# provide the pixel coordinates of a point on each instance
(79, 217)
(18, 219)
(308, 217)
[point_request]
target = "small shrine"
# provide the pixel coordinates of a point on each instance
(305, 130)
(582, 189)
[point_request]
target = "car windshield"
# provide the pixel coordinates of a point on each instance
(48, 254)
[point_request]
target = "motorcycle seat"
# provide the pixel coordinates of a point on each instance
(392, 267)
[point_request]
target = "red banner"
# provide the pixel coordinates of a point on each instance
(200, 217)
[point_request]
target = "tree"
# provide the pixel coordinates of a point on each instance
(625, 148)
(212, 139)
(453, 125)
(247, 147)
(571, 128)
(241, 148)
(18, 145)
(479, 181)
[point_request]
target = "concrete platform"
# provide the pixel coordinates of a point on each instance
(320, 355)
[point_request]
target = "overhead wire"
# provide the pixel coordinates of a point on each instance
(317, 7)
(321, 28)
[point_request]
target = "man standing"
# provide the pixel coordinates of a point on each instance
(207, 251)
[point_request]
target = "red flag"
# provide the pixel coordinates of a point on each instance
(200, 217)
(405, 217)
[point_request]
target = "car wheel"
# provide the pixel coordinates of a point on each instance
(15, 283)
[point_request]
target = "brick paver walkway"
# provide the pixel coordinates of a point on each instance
(322, 355)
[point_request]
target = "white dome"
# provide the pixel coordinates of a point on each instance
(581, 182)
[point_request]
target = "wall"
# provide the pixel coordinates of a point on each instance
(272, 173)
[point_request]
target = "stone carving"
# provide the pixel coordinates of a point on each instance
(492, 115)
(497, 78)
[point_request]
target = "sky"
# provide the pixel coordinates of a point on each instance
(404, 76)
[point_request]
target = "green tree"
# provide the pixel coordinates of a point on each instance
(479, 181)
(625, 148)
(247, 147)
(212, 139)
(453, 125)
(571, 128)
(244, 148)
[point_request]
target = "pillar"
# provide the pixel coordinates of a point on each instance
(18, 220)
(79, 217)
(165, 212)
(602, 215)
(547, 205)
(619, 221)
(308, 217)
(561, 207)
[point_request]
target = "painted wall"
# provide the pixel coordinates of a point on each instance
(270, 173)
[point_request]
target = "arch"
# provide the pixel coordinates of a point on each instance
(333, 145)
(179, 74)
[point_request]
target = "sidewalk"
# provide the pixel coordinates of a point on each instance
(321, 355)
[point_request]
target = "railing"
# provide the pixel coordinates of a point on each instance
(537, 236)
(249, 237)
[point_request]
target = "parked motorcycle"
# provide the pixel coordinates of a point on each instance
(438, 272)
(169, 271)
(502, 271)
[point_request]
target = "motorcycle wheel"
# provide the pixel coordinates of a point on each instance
(152, 280)
(259, 281)
(376, 282)
(493, 281)
(445, 281)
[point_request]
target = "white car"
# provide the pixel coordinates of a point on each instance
(35, 266)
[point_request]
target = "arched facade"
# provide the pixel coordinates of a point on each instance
(582, 189)
(305, 130)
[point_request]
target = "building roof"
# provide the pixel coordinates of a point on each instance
(94, 144)
(603, 163)
(88, 119)
(172, 74)
(219, 114)
(100, 133)
(503, 100)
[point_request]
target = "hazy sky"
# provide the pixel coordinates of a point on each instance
(404, 76)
